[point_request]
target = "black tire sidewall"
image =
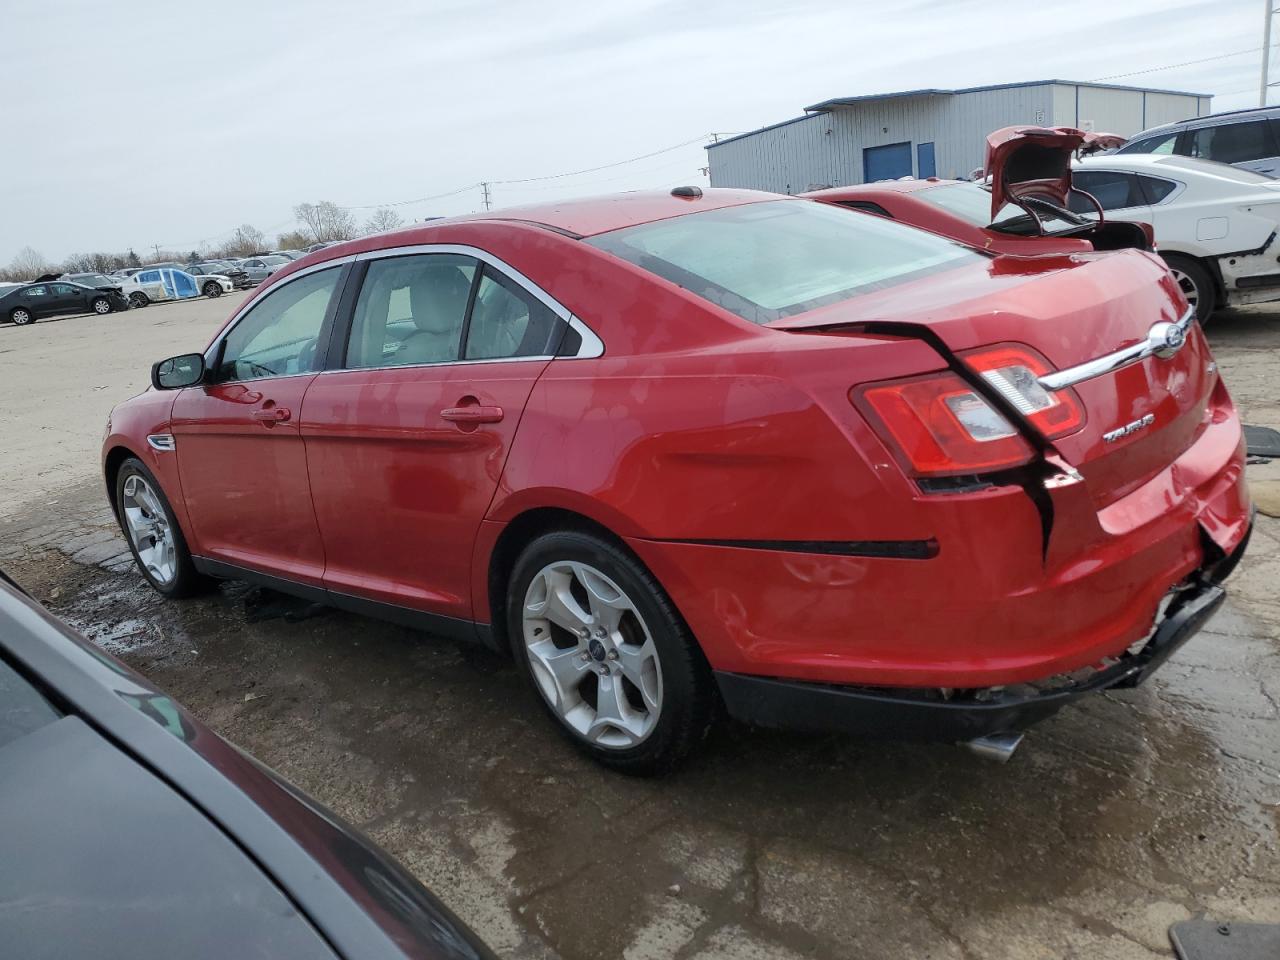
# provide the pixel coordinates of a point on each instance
(187, 580)
(1206, 292)
(685, 710)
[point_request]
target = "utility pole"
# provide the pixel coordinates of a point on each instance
(488, 201)
(1266, 52)
(156, 247)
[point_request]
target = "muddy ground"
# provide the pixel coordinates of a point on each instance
(1116, 818)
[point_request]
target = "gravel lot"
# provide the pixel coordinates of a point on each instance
(1116, 818)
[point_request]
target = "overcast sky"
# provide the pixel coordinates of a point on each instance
(171, 123)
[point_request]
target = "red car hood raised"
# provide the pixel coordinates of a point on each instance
(1036, 162)
(1071, 309)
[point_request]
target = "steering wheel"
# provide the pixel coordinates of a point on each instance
(307, 356)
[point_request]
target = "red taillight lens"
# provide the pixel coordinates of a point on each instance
(942, 427)
(1014, 371)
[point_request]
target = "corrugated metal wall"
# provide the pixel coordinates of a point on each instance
(825, 149)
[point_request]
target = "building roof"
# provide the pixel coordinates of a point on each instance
(827, 105)
(939, 92)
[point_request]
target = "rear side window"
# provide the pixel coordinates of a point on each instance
(508, 321)
(411, 310)
(1234, 142)
(35, 292)
(867, 206)
(765, 261)
(1113, 189)
(1156, 188)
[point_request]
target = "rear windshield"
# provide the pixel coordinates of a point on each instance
(765, 261)
(972, 202)
(1224, 170)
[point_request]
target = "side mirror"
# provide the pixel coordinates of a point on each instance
(178, 372)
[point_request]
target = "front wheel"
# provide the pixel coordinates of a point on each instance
(610, 657)
(1196, 283)
(155, 539)
(21, 316)
(212, 289)
(101, 306)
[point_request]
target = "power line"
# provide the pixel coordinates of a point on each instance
(605, 166)
(1172, 66)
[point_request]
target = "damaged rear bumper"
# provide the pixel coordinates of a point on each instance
(924, 714)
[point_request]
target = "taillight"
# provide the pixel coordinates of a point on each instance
(942, 427)
(1015, 372)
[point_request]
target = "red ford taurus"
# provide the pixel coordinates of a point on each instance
(843, 473)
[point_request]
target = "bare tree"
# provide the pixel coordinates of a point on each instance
(27, 265)
(247, 241)
(79, 263)
(326, 221)
(293, 240)
(383, 219)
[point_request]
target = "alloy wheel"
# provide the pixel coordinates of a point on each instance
(148, 527)
(592, 655)
(1187, 285)
(101, 307)
(20, 317)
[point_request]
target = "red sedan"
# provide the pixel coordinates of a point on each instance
(848, 474)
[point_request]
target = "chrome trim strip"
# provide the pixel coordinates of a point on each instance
(162, 441)
(1159, 343)
(592, 346)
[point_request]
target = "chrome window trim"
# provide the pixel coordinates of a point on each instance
(1157, 344)
(592, 346)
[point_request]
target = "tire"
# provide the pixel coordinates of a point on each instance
(212, 289)
(21, 316)
(101, 306)
(171, 571)
(650, 666)
(138, 299)
(1196, 283)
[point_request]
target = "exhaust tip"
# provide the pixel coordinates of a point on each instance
(996, 746)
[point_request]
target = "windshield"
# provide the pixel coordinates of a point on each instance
(1224, 170)
(972, 202)
(765, 261)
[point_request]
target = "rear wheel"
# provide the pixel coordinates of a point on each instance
(1196, 283)
(101, 306)
(612, 661)
(155, 540)
(212, 289)
(21, 316)
(138, 299)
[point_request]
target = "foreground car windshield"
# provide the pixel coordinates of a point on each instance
(765, 261)
(973, 203)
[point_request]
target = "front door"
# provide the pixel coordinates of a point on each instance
(240, 453)
(407, 443)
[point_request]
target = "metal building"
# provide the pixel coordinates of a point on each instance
(924, 133)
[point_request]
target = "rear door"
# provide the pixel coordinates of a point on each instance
(64, 298)
(239, 448)
(407, 439)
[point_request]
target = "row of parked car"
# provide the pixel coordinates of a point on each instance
(67, 294)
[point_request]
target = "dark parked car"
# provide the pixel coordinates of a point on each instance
(222, 268)
(126, 821)
(31, 301)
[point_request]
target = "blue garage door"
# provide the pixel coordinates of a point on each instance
(889, 162)
(925, 166)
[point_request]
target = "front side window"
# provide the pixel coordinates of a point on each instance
(63, 289)
(774, 259)
(508, 321)
(280, 335)
(411, 310)
(1233, 142)
(149, 276)
(1160, 144)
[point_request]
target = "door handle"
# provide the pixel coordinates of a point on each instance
(270, 415)
(473, 413)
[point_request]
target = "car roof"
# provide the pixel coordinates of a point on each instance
(589, 216)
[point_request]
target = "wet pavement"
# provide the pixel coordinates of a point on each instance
(1121, 815)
